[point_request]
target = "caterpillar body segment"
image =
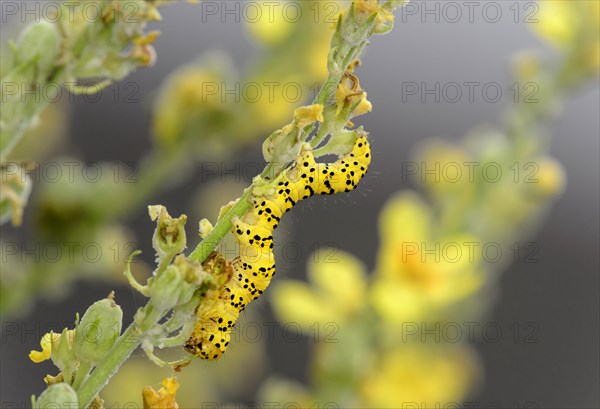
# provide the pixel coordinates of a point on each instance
(252, 235)
(252, 271)
(216, 316)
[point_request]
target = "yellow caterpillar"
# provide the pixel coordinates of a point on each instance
(254, 268)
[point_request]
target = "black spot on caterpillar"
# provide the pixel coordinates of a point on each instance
(253, 269)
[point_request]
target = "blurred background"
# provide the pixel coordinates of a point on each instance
(540, 304)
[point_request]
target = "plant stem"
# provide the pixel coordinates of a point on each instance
(206, 246)
(82, 371)
(118, 354)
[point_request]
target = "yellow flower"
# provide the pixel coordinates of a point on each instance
(270, 25)
(418, 274)
(336, 294)
(147, 38)
(349, 94)
(550, 178)
(46, 344)
(443, 168)
(49, 342)
(567, 23)
(191, 96)
(164, 398)
(414, 375)
(366, 7)
(52, 348)
(556, 21)
(307, 115)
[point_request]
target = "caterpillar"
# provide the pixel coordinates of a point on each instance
(253, 269)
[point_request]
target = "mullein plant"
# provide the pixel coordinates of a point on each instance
(192, 121)
(90, 354)
(383, 355)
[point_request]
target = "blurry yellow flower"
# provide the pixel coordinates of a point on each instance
(526, 66)
(336, 294)
(147, 38)
(444, 169)
(296, 302)
(405, 215)
(557, 21)
(417, 272)
(341, 282)
(189, 100)
(415, 375)
(550, 178)
(153, 14)
(366, 7)
(269, 25)
(567, 23)
(560, 20)
(164, 398)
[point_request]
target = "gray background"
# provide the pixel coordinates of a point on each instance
(559, 293)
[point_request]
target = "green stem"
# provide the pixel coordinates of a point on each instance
(118, 354)
(82, 372)
(203, 250)
(123, 347)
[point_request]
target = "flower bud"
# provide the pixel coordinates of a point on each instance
(169, 236)
(98, 330)
(550, 179)
(177, 283)
(205, 227)
(39, 42)
(60, 395)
